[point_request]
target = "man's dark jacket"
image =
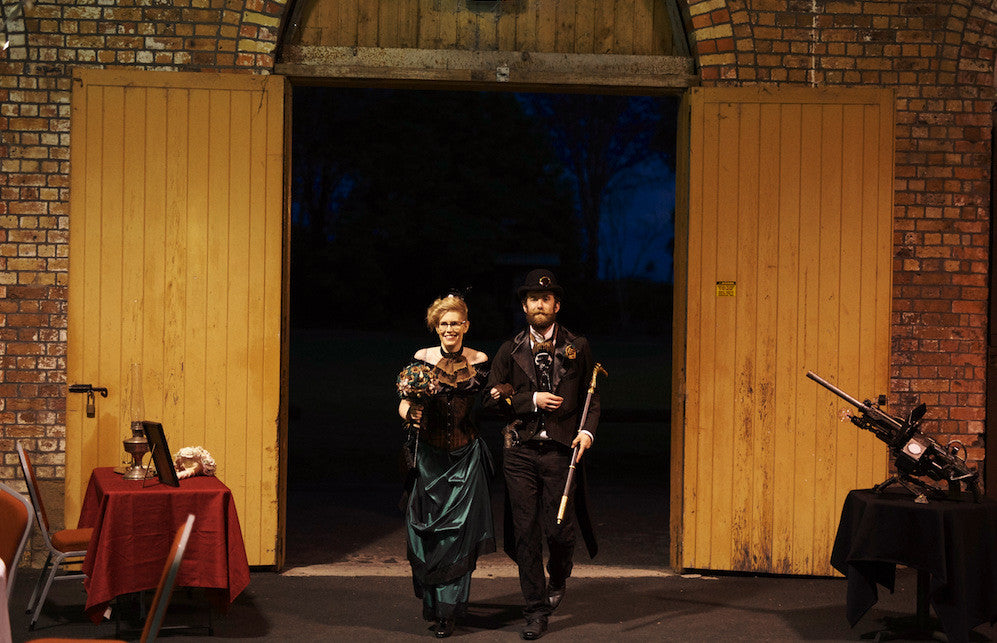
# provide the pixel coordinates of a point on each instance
(571, 375)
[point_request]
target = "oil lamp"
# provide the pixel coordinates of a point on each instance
(136, 446)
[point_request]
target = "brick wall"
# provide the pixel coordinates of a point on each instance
(937, 55)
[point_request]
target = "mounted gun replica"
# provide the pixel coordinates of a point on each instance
(914, 454)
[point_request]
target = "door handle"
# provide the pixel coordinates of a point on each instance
(89, 390)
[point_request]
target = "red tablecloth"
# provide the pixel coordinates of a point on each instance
(133, 527)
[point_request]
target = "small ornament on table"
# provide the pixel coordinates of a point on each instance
(193, 461)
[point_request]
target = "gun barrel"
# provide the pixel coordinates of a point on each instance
(834, 389)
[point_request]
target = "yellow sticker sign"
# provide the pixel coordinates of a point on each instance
(726, 288)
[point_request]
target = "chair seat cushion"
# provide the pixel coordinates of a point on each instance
(72, 539)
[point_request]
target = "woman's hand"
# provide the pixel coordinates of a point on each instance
(414, 414)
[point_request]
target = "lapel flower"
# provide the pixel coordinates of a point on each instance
(570, 352)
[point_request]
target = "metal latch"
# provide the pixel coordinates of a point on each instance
(89, 390)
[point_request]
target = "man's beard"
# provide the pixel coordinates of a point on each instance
(540, 321)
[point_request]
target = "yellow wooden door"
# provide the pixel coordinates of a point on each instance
(176, 263)
(783, 265)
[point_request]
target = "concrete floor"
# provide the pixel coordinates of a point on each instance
(347, 579)
(601, 604)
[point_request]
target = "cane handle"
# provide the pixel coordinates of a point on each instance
(595, 374)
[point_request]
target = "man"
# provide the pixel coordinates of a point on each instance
(540, 378)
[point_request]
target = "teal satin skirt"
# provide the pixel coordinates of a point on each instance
(449, 524)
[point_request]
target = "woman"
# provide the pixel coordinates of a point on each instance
(448, 516)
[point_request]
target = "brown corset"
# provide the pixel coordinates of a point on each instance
(447, 423)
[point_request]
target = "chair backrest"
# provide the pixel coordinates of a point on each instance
(16, 516)
(36, 496)
(162, 598)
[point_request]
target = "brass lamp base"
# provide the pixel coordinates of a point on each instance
(134, 472)
(136, 446)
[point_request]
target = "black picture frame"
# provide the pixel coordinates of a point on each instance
(161, 457)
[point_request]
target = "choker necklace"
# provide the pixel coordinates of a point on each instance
(454, 355)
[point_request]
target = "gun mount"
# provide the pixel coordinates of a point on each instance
(914, 454)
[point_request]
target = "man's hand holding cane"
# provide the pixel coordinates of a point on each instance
(581, 442)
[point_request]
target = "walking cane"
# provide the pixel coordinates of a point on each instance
(574, 454)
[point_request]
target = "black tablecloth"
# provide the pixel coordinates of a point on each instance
(956, 542)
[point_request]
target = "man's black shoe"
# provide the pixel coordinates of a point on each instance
(535, 628)
(554, 595)
(444, 628)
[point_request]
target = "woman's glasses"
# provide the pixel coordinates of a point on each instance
(444, 324)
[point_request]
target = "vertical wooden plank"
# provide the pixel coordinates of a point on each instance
(408, 15)
(701, 130)
(83, 251)
(767, 340)
(153, 177)
(236, 151)
(193, 254)
(644, 26)
(683, 455)
(830, 332)
(725, 337)
(584, 39)
(487, 29)
(387, 31)
(547, 26)
(430, 14)
(255, 121)
(808, 323)
(506, 28)
(217, 316)
(745, 337)
(661, 29)
(314, 16)
(527, 25)
(450, 19)
(256, 124)
(111, 307)
(883, 157)
(564, 26)
(787, 474)
(273, 457)
(866, 237)
(706, 429)
(604, 37)
(349, 22)
(131, 252)
(623, 27)
(852, 279)
(367, 24)
(179, 107)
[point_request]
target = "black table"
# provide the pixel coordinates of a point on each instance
(951, 544)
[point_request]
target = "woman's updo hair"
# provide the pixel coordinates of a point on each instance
(442, 306)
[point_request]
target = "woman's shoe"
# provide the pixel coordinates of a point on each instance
(444, 628)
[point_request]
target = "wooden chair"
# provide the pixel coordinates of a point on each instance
(66, 546)
(16, 516)
(157, 610)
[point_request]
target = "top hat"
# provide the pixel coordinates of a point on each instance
(540, 280)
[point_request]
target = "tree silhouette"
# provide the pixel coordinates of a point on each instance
(599, 139)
